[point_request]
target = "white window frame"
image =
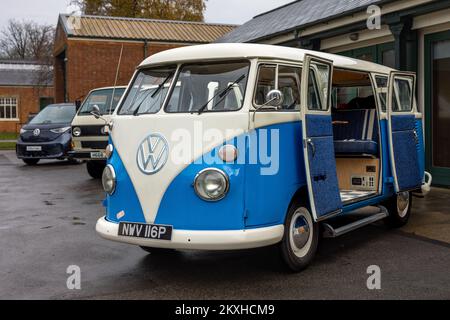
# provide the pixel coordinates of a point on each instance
(4, 106)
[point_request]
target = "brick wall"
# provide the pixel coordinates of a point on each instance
(92, 64)
(28, 102)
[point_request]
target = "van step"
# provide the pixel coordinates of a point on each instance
(330, 232)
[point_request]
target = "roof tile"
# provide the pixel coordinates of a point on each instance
(150, 29)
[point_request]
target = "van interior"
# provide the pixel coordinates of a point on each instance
(356, 135)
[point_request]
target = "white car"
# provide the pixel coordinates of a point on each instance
(89, 138)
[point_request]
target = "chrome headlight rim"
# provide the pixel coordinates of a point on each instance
(76, 132)
(224, 193)
(113, 178)
(109, 151)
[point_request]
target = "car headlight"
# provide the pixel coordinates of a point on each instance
(211, 184)
(109, 151)
(76, 132)
(109, 179)
(60, 130)
(22, 131)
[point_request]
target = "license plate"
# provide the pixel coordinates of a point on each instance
(146, 231)
(97, 155)
(34, 148)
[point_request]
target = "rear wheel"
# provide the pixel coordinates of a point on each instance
(95, 168)
(301, 237)
(31, 162)
(399, 207)
(157, 251)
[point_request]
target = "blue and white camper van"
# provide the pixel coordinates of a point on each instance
(238, 146)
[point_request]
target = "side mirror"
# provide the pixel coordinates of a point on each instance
(96, 112)
(274, 98)
(77, 105)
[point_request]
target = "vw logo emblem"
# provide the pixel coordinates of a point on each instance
(152, 154)
(36, 132)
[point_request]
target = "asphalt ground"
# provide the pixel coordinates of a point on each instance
(49, 213)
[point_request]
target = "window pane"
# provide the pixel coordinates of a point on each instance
(8, 112)
(266, 83)
(289, 84)
(365, 57)
(402, 97)
(313, 95)
(2, 112)
(354, 97)
(206, 86)
(441, 104)
(14, 112)
(319, 87)
(148, 91)
(389, 58)
(382, 83)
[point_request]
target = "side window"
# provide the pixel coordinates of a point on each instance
(266, 83)
(313, 94)
(402, 97)
(319, 95)
(288, 82)
(382, 83)
(289, 85)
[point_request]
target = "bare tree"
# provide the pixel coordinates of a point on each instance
(26, 40)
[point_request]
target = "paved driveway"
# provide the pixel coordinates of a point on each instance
(48, 216)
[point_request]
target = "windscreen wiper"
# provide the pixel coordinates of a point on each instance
(154, 93)
(221, 94)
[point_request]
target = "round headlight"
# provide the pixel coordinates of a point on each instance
(109, 151)
(211, 184)
(76, 131)
(109, 179)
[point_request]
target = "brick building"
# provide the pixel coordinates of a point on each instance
(87, 48)
(25, 87)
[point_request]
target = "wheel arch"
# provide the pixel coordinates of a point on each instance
(300, 197)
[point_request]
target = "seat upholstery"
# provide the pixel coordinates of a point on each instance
(356, 132)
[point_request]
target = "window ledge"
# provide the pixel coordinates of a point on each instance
(9, 120)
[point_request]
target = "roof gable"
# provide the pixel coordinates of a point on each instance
(140, 29)
(294, 15)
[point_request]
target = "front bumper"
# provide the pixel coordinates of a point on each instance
(199, 240)
(50, 150)
(86, 155)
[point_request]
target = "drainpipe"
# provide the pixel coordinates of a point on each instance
(145, 48)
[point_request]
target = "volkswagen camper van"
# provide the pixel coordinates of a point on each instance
(256, 145)
(89, 140)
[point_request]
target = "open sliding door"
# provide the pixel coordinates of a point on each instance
(320, 162)
(403, 137)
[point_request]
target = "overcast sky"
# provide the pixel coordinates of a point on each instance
(46, 11)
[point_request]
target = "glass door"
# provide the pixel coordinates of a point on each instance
(437, 106)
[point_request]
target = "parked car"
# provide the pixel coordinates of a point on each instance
(312, 139)
(88, 135)
(47, 135)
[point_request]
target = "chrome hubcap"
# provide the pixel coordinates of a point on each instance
(300, 233)
(402, 204)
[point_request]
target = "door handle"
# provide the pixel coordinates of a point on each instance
(313, 147)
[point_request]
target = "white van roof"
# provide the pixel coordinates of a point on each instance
(218, 51)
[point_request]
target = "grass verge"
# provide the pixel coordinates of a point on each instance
(7, 145)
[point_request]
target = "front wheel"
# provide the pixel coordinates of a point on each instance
(399, 207)
(301, 237)
(95, 168)
(31, 162)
